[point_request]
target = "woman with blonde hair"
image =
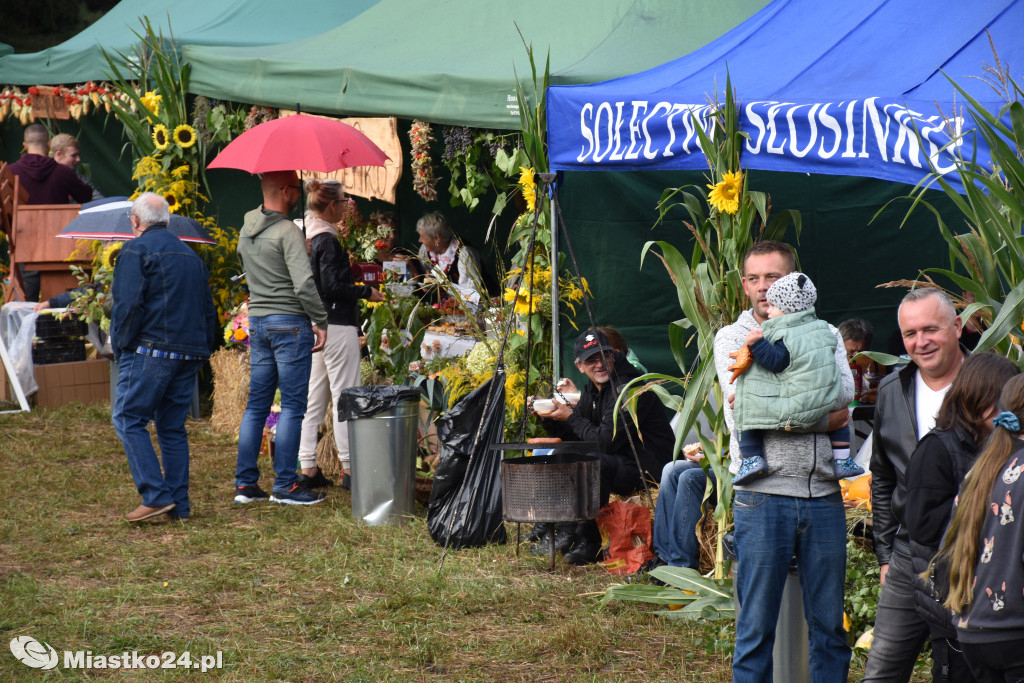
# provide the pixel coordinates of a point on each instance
(983, 550)
(337, 367)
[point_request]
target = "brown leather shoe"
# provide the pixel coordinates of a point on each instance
(143, 513)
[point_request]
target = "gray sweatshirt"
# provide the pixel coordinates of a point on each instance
(801, 464)
(277, 268)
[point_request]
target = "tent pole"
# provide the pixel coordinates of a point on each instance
(548, 179)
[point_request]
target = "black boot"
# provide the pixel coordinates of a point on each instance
(588, 547)
(536, 533)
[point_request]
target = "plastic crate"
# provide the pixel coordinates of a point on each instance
(49, 327)
(58, 351)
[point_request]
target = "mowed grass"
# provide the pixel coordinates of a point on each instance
(291, 593)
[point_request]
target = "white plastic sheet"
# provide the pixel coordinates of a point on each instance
(17, 328)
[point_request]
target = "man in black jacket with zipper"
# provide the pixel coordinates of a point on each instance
(908, 402)
(593, 420)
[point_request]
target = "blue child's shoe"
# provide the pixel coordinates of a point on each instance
(847, 468)
(750, 469)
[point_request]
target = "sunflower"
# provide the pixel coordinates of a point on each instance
(161, 137)
(725, 196)
(110, 254)
(172, 201)
(151, 101)
(185, 136)
(529, 186)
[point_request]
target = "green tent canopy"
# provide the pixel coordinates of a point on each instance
(454, 61)
(192, 22)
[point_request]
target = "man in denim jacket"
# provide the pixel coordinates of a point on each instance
(163, 327)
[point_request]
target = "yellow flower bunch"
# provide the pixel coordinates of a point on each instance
(151, 101)
(529, 187)
(725, 195)
(521, 297)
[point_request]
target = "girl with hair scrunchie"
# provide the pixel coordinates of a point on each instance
(984, 546)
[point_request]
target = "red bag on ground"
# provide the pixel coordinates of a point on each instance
(626, 535)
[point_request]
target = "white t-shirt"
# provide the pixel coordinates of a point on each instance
(928, 403)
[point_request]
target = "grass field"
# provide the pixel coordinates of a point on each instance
(292, 594)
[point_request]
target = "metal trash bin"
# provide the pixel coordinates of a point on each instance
(791, 654)
(382, 447)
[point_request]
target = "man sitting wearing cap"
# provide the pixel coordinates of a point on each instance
(593, 420)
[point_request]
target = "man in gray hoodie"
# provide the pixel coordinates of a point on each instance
(796, 510)
(283, 301)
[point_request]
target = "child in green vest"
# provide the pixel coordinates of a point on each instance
(794, 381)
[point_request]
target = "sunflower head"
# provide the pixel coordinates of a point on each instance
(161, 137)
(172, 201)
(725, 195)
(184, 136)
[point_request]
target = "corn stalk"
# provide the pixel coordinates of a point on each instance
(986, 263)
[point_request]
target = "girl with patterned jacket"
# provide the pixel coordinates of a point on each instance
(983, 550)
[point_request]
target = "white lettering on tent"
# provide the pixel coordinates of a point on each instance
(648, 152)
(906, 136)
(598, 154)
(754, 142)
(829, 121)
(676, 109)
(617, 154)
(954, 133)
(585, 130)
(856, 129)
(849, 130)
(801, 153)
(881, 135)
(639, 106)
(772, 111)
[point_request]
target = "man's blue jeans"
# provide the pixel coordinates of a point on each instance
(280, 356)
(770, 530)
(158, 389)
(678, 511)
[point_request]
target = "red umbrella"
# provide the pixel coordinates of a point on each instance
(300, 143)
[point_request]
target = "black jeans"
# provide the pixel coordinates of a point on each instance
(996, 662)
(619, 474)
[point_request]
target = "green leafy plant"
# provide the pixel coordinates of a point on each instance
(686, 593)
(986, 263)
(863, 586)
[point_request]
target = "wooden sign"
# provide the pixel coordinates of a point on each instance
(372, 182)
(49, 103)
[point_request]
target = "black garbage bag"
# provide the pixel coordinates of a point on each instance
(357, 402)
(465, 502)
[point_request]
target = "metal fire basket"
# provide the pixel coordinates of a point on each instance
(562, 487)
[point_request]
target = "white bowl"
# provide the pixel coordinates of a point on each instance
(571, 397)
(543, 405)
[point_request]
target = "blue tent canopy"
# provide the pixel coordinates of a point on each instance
(824, 87)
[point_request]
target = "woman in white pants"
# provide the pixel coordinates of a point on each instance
(337, 367)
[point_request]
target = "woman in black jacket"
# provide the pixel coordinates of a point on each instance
(937, 467)
(337, 367)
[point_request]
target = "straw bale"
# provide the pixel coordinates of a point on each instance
(230, 389)
(326, 448)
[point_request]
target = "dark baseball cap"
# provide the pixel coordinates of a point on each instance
(589, 343)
